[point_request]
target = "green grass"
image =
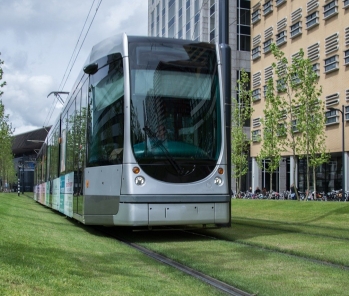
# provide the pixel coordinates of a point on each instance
(272, 248)
(44, 253)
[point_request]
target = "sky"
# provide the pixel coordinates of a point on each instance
(37, 42)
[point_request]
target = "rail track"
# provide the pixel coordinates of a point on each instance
(143, 241)
(219, 285)
(317, 261)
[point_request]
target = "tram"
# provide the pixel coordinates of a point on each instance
(141, 140)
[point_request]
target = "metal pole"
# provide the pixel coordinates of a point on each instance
(343, 154)
(19, 179)
(23, 175)
(223, 40)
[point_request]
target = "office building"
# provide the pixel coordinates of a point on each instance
(321, 29)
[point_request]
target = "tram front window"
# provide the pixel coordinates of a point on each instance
(106, 115)
(175, 110)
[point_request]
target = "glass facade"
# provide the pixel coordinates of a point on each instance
(328, 176)
(243, 25)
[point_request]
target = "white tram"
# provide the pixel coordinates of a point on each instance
(141, 139)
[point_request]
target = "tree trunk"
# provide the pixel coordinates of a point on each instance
(314, 182)
(271, 185)
(294, 179)
(308, 179)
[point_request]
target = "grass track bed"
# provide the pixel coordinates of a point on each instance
(44, 253)
(253, 254)
(49, 254)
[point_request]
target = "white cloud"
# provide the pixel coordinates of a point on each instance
(37, 41)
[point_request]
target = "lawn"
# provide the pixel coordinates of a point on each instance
(44, 253)
(272, 248)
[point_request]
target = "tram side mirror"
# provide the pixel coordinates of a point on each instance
(91, 69)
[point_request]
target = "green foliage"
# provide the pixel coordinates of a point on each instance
(273, 132)
(310, 115)
(302, 109)
(241, 112)
(7, 172)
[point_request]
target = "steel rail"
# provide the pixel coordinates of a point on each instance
(224, 287)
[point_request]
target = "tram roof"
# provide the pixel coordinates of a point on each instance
(116, 44)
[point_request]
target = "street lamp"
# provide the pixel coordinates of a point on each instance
(343, 152)
(36, 141)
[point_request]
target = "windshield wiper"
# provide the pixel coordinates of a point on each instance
(158, 143)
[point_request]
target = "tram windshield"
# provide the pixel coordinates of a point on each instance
(175, 109)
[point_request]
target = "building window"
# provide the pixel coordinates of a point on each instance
(279, 2)
(212, 22)
(267, 7)
(157, 20)
(332, 117)
(294, 126)
(312, 20)
(187, 27)
(282, 130)
(296, 29)
(267, 45)
(331, 64)
(256, 16)
(346, 3)
(330, 9)
(346, 112)
(243, 26)
(256, 135)
(265, 88)
(281, 85)
(295, 79)
(171, 19)
(256, 52)
(256, 94)
(316, 69)
(281, 38)
(163, 13)
(346, 57)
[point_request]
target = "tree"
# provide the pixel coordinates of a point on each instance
(302, 109)
(310, 115)
(241, 112)
(7, 172)
(273, 132)
(287, 82)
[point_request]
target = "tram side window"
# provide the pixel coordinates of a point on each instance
(70, 138)
(37, 170)
(63, 144)
(43, 163)
(106, 115)
(48, 164)
(54, 153)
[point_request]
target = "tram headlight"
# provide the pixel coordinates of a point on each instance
(139, 180)
(218, 181)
